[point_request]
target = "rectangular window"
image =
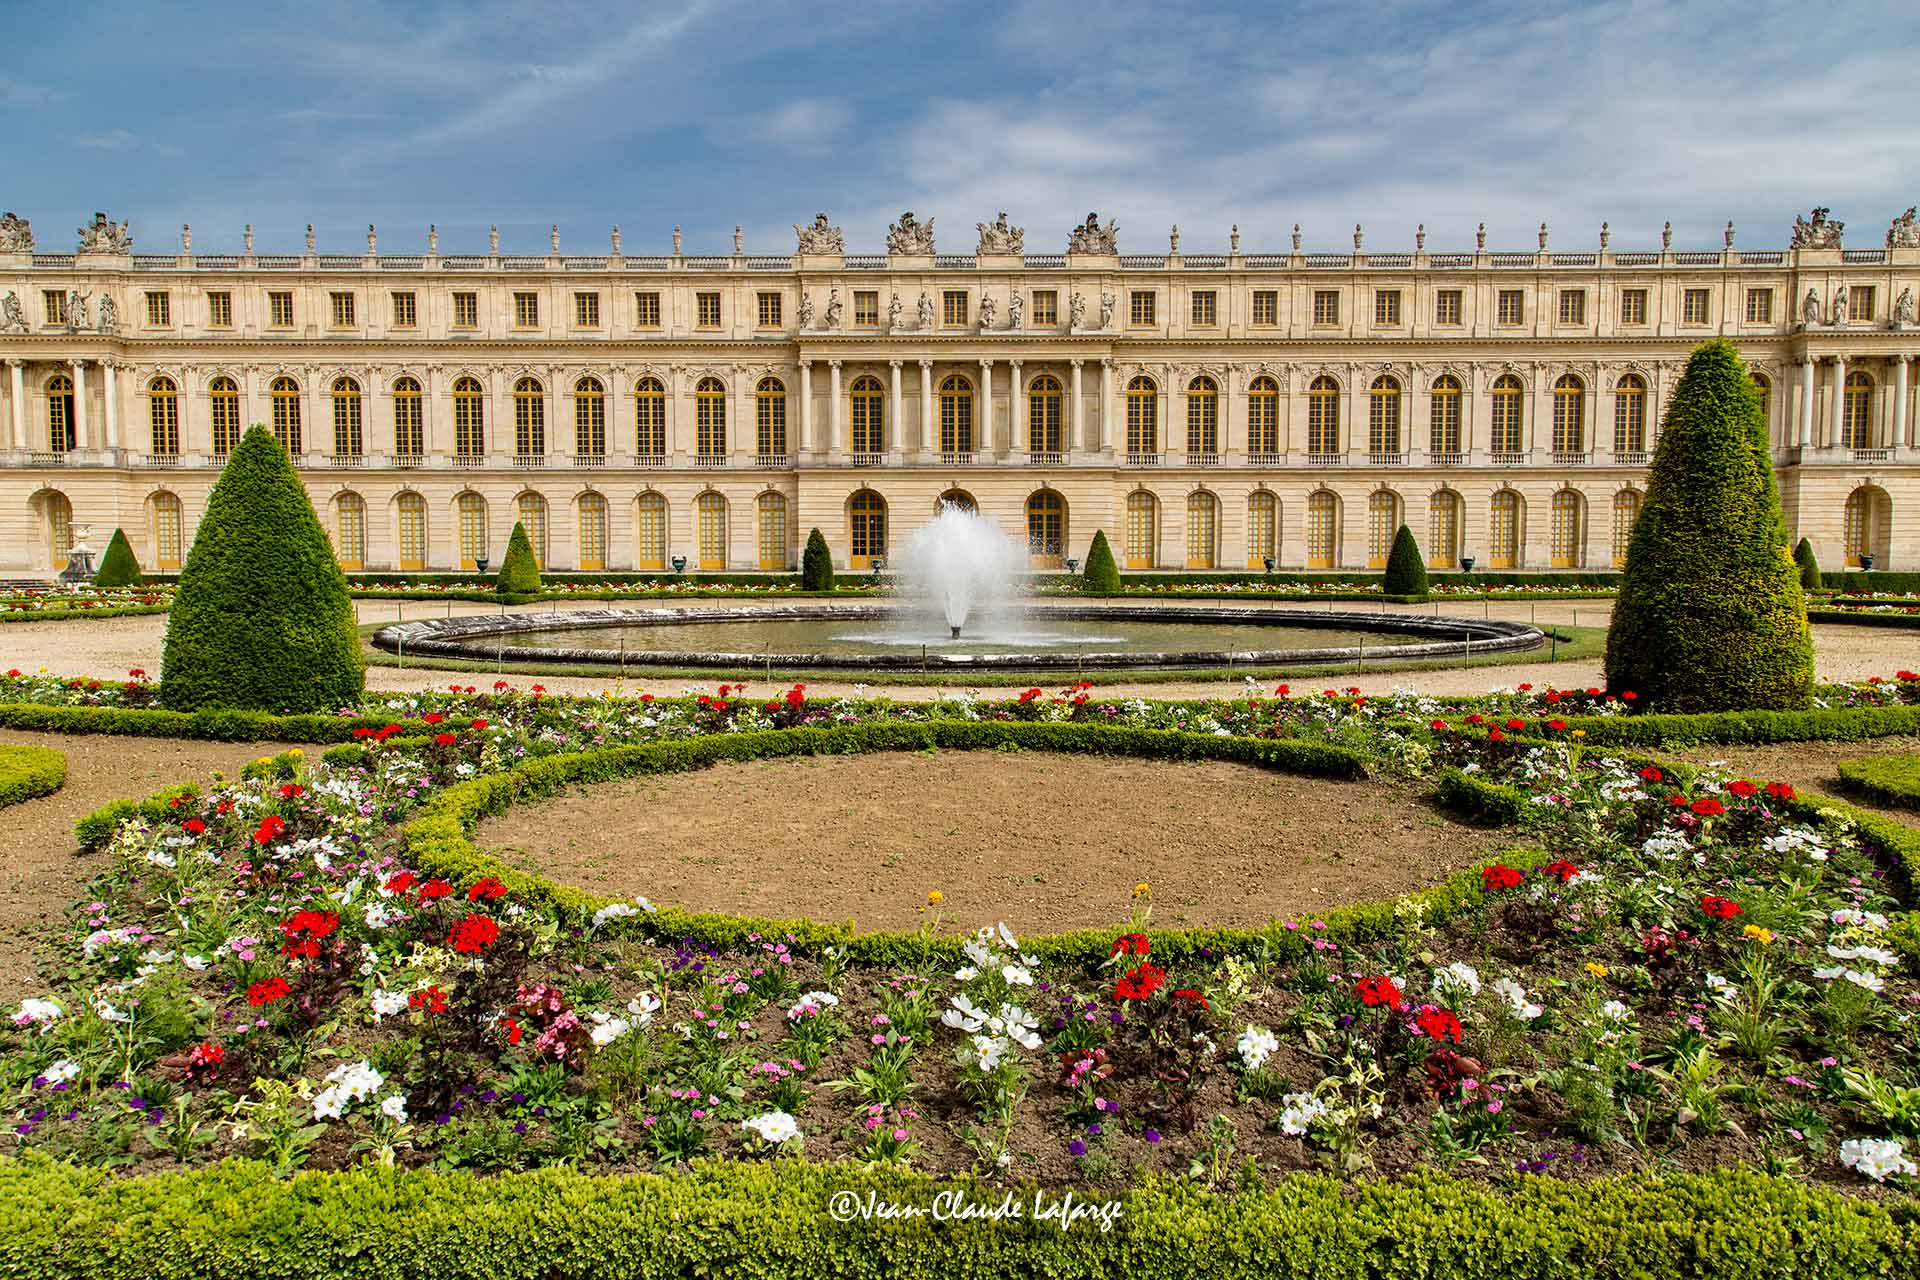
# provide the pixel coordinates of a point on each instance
(1046, 306)
(1266, 306)
(1860, 303)
(586, 311)
(280, 309)
(1573, 306)
(466, 311)
(1759, 306)
(526, 310)
(342, 310)
(953, 306)
(1140, 307)
(1386, 306)
(708, 305)
(219, 311)
(405, 313)
(1206, 308)
(159, 309)
(1326, 306)
(1446, 306)
(646, 310)
(866, 306)
(1511, 307)
(770, 311)
(1633, 306)
(54, 303)
(1693, 307)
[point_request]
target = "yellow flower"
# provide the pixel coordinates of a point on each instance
(935, 897)
(296, 753)
(1579, 733)
(1761, 935)
(1597, 969)
(1142, 890)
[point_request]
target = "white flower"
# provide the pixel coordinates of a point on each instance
(613, 911)
(387, 1003)
(195, 963)
(1006, 936)
(379, 915)
(966, 973)
(978, 952)
(1869, 981)
(1860, 919)
(607, 1029)
(1456, 977)
(37, 1012)
(159, 859)
(985, 1052)
(1516, 997)
(643, 1007)
(964, 1015)
(1257, 1044)
(1876, 1157)
(1879, 955)
(348, 1082)
(1299, 1113)
(811, 1005)
(1614, 1011)
(775, 1127)
(1019, 1026)
(105, 1010)
(1720, 987)
(394, 1107)
(1016, 976)
(63, 1071)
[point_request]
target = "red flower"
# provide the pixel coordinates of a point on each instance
(194, 827)
(1708, 807)
(1556, 725)
(473, 935)
(1494, 735)
(1441, 1024)
(267, 992)
(1719, 908)
(1499, 876)
(486, 887)
(1029, 696)
(401, 882)
(1651, 774)
(206, 1054)
(1438, 726)
(434, 889)
(1742, 788)
(1779, 791)
(1282, 690)
(1628, 695)
(443, 739)
(1516, 725)
(1561, 870)
(433, 717)
(1132, 944)
(479, 724)
(432, 999)
(1190, 996)
(290, 790)
(270, 827)
(1377, 991)
(1140, 983)
(1476, 718)
(304, 929)
(513, 1027)
(1524, 688)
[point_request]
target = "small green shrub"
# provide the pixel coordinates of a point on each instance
(519, 573)
(816, 564)
(28, 772)
(1890, 781)
(1100, 576)
(118, 568)
(1809, 566)
(1406, 573)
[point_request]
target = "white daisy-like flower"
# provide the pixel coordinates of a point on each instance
(1256, 1045)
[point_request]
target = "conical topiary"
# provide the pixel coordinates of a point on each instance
(816, 564)
(519, 571)
(262, 619)
(1809, 567)
(1406, 573)
(118, 568)
(1100, 577)
(1710, 615)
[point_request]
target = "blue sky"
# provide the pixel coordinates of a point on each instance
(712, 112)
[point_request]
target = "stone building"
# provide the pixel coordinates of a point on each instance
(1209, 411)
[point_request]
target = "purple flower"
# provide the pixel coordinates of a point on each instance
(1151, 1135)
(1093, 1130)
(1076, 1148)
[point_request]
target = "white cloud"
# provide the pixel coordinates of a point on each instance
(807, 124)
(111, 140)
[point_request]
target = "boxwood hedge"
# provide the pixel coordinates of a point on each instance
(27, 772)
(1892, 781)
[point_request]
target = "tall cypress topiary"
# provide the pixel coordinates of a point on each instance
(1710, 615)
(519, 571)
(1101, 576)
(118, 568)
(1406, 573)
(262, 619)
(816, 564)
(1809, 567)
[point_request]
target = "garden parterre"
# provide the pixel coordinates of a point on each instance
(1670, 968)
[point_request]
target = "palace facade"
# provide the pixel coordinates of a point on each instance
(1208, 411)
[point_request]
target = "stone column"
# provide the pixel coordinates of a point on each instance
(113, 414)
(835, 441)
(895, 436)
(1103, 440)
(1836, 399)
(79, 367)
(1232, 437)
(926, 405)
(17, 384)
(1900, 402)
(806, 406)
(983, 439)
(1017, 397)
(1078, 440)
(1805, 425)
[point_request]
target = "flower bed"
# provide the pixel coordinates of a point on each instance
(27, 772)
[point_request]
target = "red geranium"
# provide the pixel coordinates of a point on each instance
(486, 888)
(206, 1054)
(433, 717)
(479, 724)
(434, 889)
(271, 826)
(1476, 718)
(1377, 991)
(267, 992)
(512, 1027)
(1499, 876)
(1651, 774)
(1516, 725)
(1556, 725)
(1708, 807)
(1494, 735)
(443, 739)
(473, 935)
(304, 929)
(1719, 908)
(1560, 869)
(1139, 983)
(1742, 788)
(193, 826)
(1190, 996)
(1132, 944)
(1441, 1024)
(291, 790)
(401, 882)
(1438, 726)
(1779, 791)
(432, 999)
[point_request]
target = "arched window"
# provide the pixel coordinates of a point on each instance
(1263, 529)
(1443, 419)
(347, 435)
(1044, 432)
(1383, 416)
(529, 418)
(223, 399)
(710, 519)
(1443, 529)
(1630, 414)
(1203, 417)
(1203, 529)
(1856, 422)
(285, 394)
(60, 426)
(710, 421)
(409, 420)
(472, 509)
(865, 403)
(959, 499)
(956, 416)
(1046, 529)
(1323, 416)
(770, 424)
(1626, 510)
(531, 509)
(1143, 417)
(775, 542)
(350, 531)
(650, 418)
(1383, 522)
(163, 411)
(1569, 529)
(867, 527)
(1323, 530)
(589, 418)
(59, 529)
(1569, 415)
(168, 535)
(651, 528)
(1263, 416)
(1868, 520)
(1763, 388)
(412, 512)
(469, 419)
(1143, 530)
(593, 532)
(1503, 427)
(1505, 532)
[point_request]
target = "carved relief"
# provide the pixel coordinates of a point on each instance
(820, 238)
(109, 315)
(1903, 234)
(998, 237)
(1076, 312)
(909, 237)
(16, 234)
(1091, 237)
(1903, 308)
(1817, 232)
(103, 236)
(15, 316)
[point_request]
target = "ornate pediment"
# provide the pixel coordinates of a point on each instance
(1818, 231)
(1091, 237)
(1000, 238)
(821, 238)
(910, 237)
(103, 236)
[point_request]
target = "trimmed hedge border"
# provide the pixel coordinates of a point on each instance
(27, 773)
(1842, 724)
(65, 615)
(1892, 782)
(773, 1220)
(204, 726)
(1861, 618)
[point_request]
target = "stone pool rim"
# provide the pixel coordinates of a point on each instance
(1440, 638)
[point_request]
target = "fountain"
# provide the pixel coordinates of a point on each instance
(956, 567)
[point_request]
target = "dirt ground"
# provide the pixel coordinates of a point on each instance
(1044, 842)
(41, 874)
